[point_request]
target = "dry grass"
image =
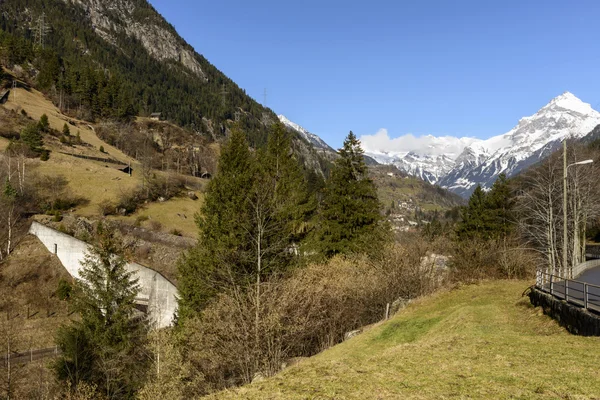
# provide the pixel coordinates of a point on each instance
(97, 181)
(35, 104)
(175, 214)
(28, 280)
(480, 341)
(89, 179)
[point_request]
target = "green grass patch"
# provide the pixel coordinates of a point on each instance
(478, 342)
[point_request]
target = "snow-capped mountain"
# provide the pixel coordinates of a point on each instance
(429, 168)
(533, 139)
(311, 138)
(428, 157)
(481, 161)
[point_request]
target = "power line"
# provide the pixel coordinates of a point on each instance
(41, 30)
(224, 94)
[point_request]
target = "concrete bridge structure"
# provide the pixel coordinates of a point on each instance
(157, 293)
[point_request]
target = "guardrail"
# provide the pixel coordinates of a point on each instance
(581, 294)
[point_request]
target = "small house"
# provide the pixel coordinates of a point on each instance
(155, 116)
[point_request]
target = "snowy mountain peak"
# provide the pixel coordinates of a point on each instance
(568, 101)
(479, 162)
(313, 139)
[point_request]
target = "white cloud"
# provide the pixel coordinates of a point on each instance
(381, 142)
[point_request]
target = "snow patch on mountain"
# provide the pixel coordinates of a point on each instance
(460, 164)
(427, 157)
(311, 138)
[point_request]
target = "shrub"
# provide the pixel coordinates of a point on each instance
(106, 207)
(140, 219)
(64, 290)
(300, 315)
(176, 232)
(101, 149)
(44, 124)
(44, 155)
(57, 216)
(479, 259)
(155, 225)
(23, 112)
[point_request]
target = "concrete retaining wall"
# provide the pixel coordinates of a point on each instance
(575, 319)
(160, 294)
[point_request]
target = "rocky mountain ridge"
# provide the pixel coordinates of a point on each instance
(482, 161)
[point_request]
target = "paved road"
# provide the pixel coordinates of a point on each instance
(590, 276)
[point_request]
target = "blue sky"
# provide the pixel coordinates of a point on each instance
(460, 68)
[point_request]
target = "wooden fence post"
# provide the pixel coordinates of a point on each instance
(585, 296)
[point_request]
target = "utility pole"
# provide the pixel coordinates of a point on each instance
(41, 30)
(567, 272)
(224, 94)
(565, 235)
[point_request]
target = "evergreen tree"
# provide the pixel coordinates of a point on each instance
(474, 218)
(105, 346)
(488, 215)
(44, 124)
(32, 137)
(349, 217)
(254, 212)
(219, 258)
(500, 204)
(65, 130)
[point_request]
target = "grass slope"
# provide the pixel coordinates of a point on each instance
(483, 341)
(97, 181)
(28, 280)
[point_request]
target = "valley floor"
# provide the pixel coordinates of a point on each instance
(479, 342)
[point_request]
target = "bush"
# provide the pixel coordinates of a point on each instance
(155, 225)
(176, 232)
(299, 315)
(101, 149)
(478, 259)
(140, 219)
(44, 155)
(57, 216)
(44, 124)
(64, 290)
(106, 207)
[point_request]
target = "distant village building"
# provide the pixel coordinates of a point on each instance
(155, 116)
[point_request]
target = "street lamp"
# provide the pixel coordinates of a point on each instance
(565, 235)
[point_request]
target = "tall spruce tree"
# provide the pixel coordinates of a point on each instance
(253, 214)
(349, 217)
(474, 222)
(488, 215)
(219, 258)
(500, 206)
(105, 347)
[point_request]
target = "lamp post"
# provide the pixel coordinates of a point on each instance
(565, 234)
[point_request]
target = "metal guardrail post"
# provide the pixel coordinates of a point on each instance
(551, 285)
(567, 290)
(585, 296)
